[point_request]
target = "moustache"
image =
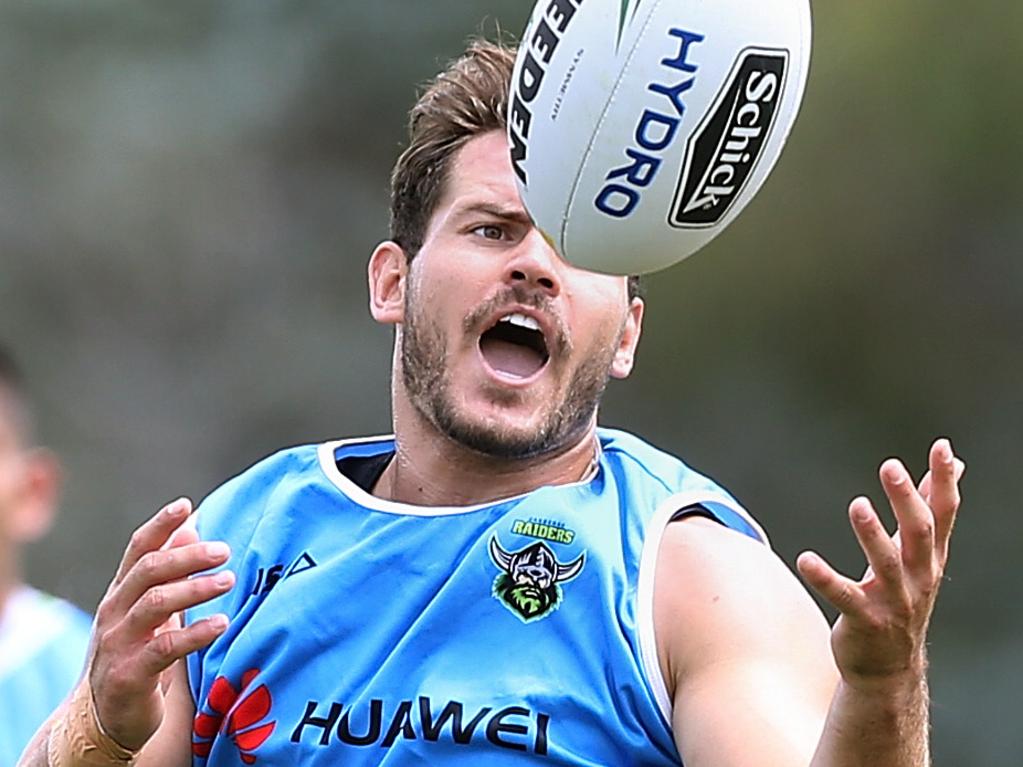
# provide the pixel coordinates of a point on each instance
(558, 344)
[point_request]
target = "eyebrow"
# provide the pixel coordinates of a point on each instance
(514, 214)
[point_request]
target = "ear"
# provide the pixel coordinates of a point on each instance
(625, 355)
(36, 504)
(388, 269)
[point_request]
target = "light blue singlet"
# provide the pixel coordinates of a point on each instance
(43, 642)
(365, 632)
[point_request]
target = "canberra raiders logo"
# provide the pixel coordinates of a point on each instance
(529, 581)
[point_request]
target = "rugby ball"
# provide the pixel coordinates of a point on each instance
(639, 129)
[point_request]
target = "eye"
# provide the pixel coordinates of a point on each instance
(490, 231)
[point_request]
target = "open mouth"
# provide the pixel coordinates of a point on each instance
(515, 347)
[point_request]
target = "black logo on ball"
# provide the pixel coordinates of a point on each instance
(724, 150)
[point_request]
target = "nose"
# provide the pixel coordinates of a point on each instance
(535, 265)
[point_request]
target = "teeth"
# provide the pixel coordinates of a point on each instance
(522, 321)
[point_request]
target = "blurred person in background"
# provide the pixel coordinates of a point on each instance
(43, 639)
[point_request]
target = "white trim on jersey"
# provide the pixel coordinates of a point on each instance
(328, 464)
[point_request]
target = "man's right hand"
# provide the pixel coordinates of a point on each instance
(138, 633)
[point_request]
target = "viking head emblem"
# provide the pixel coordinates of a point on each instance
(528, 582)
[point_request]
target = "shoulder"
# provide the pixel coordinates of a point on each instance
(661, 487)
(243, 498)
(28, 606)
(636, 459)
(41, 628)
(632, 453)
(295, 489)
(275, 468)
(724, 598)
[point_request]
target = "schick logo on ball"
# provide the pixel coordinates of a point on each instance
(654, 134)
(724, 150)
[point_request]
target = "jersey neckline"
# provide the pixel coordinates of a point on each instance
(367, 446)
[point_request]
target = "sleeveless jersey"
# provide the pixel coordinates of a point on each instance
(367, 632)
(43, 641)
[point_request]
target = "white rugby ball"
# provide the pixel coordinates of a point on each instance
(639, 129)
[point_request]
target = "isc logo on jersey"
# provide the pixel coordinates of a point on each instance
(639, 129)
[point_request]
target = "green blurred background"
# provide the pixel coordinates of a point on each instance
(189, 192)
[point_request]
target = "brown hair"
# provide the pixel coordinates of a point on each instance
(467, 99)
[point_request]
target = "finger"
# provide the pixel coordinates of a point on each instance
(161, 567)
(160, 603)
(883, 555)
(944, 498)
(844, 594)
(914, 517)
(153, 534)
(925, 484)
(183, 536)
(924, 488)
(160, 652)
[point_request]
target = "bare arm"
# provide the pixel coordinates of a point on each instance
(135, 674)
(746, 653)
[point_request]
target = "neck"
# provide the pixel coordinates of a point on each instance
(430, 469)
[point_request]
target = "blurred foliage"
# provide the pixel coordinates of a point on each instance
(189, 191)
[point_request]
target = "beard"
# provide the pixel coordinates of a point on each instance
(529, 600)
(428, 384)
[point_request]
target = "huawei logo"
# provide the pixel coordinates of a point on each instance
(235, 714)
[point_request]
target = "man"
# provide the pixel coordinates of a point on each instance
(501, 582)
(43, 639)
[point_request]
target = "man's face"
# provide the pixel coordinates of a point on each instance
(28, 482)
(504, 347)
(11, 465)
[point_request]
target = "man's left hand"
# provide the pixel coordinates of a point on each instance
(880, 635)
